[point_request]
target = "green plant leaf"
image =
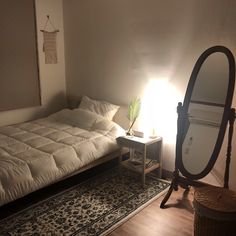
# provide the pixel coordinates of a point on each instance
(134, 109)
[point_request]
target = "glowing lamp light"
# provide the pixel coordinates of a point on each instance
(158, 113)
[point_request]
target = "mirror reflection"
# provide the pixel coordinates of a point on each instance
(212, 80)
(203, 128)
(205, 113)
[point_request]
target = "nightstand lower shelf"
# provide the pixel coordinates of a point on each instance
(138, 167)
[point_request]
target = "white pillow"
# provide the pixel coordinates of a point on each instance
(62, 115)
(77, 117)
(84, 119)
(102, 108)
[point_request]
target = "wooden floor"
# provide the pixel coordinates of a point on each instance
(175, 220)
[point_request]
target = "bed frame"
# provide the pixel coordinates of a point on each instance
(73, 102)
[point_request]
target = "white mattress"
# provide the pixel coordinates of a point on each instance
(38, 153)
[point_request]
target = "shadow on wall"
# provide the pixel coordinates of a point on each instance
(56, 103)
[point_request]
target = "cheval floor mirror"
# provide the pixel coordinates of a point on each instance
(203, 118)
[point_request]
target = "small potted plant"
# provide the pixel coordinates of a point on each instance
(133, 113)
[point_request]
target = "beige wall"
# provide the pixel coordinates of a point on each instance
(52, 76)
(113, 48)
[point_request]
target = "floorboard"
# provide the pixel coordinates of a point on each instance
(175, 220)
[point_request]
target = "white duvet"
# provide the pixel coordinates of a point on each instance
(38, 153)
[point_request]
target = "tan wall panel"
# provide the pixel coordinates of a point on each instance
(19, 71)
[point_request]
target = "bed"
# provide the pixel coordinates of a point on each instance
(38, 153)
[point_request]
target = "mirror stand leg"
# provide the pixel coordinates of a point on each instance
(173, 186)
(165, 199)
(229, 148)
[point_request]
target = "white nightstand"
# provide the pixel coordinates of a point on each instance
(145, 154)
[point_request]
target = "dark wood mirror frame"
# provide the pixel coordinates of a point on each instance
(188, 179)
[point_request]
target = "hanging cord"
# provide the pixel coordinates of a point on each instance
(46, 23)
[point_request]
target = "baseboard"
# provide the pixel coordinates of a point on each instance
(166, 174)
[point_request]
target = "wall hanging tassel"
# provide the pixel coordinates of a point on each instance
(50, 43)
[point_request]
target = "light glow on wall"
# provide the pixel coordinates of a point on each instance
(158, 113)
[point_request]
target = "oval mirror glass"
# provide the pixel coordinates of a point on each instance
(207, 103)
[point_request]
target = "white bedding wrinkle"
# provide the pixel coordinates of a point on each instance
(85, 119)
(38, 153)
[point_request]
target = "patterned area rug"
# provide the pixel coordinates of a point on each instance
(94, 207)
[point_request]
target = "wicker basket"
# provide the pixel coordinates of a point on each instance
(215, 212)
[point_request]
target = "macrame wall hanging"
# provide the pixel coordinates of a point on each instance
(50, 43)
